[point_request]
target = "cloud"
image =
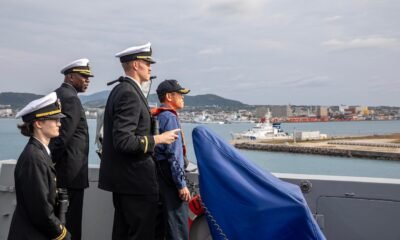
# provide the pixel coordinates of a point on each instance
(333, 19)
(216, 69)
(271, 44)
(368, 42)
(382, 84)
(168, 60)
(11, 57)
(231, 7)
(308, 82)
(210, 51)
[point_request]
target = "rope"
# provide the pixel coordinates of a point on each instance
(213, 221)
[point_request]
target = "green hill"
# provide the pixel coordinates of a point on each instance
(17, 100)
(206, 100)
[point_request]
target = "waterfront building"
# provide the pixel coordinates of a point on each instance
(6, 112)
(277, 111)
(365, 111)
(342, 108)
(322, 111)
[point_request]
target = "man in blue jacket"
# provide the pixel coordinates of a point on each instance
(174, 192)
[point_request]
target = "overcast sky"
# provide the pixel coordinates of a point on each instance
(255, 51)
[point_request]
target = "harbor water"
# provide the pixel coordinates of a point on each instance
(12, 143)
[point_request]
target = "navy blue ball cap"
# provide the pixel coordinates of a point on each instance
(170, 85)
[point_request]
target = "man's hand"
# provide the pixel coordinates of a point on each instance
(167, 137)
(184, 194)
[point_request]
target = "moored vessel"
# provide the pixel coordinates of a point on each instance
(264, 130)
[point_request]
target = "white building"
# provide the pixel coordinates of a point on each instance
(312, 135)
(6, 112)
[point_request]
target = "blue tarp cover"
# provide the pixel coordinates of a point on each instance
(245, 201)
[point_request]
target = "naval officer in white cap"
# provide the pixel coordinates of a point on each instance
(127, 168)
(70, 150)
(35, 177)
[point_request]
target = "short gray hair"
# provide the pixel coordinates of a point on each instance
(126, 66)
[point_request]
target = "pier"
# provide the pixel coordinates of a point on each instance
(382, 148)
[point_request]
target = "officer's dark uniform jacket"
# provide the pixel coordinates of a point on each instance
(70, 150)
(35, 185)
(127, 166)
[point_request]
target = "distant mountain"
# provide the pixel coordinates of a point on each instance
(99, 96)
(17, 100)
(211, 100)
(208, 100)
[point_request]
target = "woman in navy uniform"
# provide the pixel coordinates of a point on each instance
(35, 178)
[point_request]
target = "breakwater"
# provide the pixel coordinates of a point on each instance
(385, 145)
(291, 148)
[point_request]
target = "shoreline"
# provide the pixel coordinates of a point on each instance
(381, 147)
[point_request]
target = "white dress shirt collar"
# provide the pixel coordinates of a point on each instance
(135, 81)
(45, 146)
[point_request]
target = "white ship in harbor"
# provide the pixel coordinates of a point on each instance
(264, 130)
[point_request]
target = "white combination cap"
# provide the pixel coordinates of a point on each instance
(136, 52)
(47, 107)
(80, 66)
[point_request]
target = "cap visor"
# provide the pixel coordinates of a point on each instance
(89, 75)
(150, 61)
(183, 91)
(55, 116)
